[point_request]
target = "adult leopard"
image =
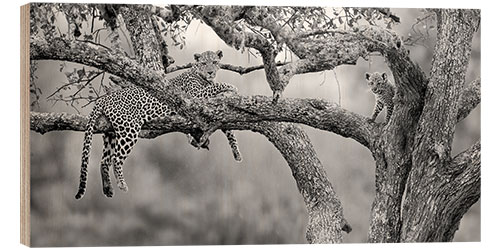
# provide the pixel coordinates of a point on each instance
(129, 108)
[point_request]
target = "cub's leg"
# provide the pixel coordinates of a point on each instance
(379, 105)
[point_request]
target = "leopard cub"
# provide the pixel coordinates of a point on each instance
(384, 94)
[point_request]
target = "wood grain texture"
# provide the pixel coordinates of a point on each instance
(25, 119)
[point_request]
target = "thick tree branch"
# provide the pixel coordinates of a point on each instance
(229, 112)
(47, 122)
(455, 188)
(436, 126)
(145, 43)
(316, 53)
(222, 20)
(315, 113)
(464, 172)
(469, 99)
(112, 62)
(392, 151)
(326, 220)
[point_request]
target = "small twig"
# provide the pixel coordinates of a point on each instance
(338, 87)
(388, 14)
(60, 88)
(101, 84)
(238, 69)
(245, 70)
(93, 19)
(86, 84)
(94, 43)
(174, 68)
(321, 32)
(324, 79)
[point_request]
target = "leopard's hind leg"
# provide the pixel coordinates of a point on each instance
(107, 154)
(123, 144)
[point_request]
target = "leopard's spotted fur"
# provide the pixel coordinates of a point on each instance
(128, 109)
(384, 94)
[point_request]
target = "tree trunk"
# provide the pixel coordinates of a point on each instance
(412, 154)
(326, 219)
(432, 209)
(421, 191)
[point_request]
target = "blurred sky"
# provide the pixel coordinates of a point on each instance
(180, 195)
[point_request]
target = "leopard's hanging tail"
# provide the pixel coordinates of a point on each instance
(87, 144)
(231, 138)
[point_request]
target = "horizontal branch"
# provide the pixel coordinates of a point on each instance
(233, 112)
(316, 113)
(47, 122)
(221, 112)
(238, 69)
(245, 70)
(321, 201)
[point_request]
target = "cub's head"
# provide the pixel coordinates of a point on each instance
(376, 79)
(207, 63)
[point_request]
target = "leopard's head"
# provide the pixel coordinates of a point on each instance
(207, 63)
(376, 79)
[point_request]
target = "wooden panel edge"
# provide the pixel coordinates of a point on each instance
(25, 141)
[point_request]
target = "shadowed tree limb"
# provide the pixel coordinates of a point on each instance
(393, 146)
(321, 114)
(326, 223)
(436, 126)
(326, 220)
(222, 20)
(315, 53)
(464, 173)
(469, 99)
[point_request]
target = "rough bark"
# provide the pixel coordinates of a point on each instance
(315, 53)
(326, 222)
(143, 36)
(321, 114)
(392, 150)
(469, 99)
(432, 145)
(411, 152)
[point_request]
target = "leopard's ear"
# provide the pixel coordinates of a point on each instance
(197, 57)
(384, 76)
(367, 76)
(219, 53)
